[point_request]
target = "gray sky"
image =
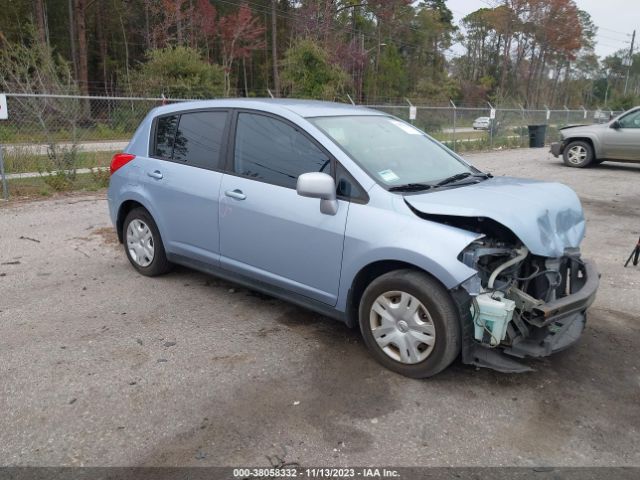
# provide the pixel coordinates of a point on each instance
(616, 19)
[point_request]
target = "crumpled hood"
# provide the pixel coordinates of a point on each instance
(546, 217)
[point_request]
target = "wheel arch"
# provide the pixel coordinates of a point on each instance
(123, 210)
(368, 274)
(589, 140)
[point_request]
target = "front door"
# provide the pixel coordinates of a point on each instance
(623, 143)
(267, 231)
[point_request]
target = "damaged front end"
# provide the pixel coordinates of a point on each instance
(521, 304)
(531, 288)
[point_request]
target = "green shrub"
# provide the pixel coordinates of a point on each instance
(100, 177)
(177, 72)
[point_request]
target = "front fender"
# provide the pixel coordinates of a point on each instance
(378, 234)
(595, 141)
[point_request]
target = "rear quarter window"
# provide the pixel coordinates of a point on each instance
(191, 138)
(198, 140)
(165, 133)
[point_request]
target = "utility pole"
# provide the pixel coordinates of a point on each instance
(629, 61)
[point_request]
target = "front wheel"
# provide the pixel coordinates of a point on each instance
(578, 154)
(143, 244)
(410, 323)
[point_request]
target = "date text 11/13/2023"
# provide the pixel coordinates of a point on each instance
(322, 472)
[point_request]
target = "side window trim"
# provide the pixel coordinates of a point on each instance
(363, 198)
(230, 158)
(225, 146)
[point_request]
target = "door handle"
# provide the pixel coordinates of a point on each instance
(157, 174)
(237, 194)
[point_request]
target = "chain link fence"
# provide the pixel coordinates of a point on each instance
(56, 143)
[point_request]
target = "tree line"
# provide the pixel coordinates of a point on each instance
(519, 52)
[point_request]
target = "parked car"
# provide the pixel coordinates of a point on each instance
(600, 116)
(584, 145)
(481, 123)
(362, 217)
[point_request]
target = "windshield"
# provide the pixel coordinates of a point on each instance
(392, 152)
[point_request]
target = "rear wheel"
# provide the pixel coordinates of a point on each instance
(410, 323)
(143, 244)
(578, 154)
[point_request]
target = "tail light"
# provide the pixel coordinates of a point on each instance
(120, 160)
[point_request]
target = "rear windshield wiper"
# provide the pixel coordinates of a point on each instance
(462, 176)
(410, 187)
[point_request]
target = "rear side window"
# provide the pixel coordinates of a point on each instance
(199, 139)
(165, 134)
(192, 138)
(273, 151)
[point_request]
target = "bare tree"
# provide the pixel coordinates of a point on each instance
(79, 17)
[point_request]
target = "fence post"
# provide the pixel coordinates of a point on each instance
(567, 121)
(5, 188)
(548, 114)
(492, 118)
(412, 111)
(523, 128)
(351, 99)
(455, 110)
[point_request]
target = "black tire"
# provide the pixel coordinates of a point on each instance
(159, 264)
(441, 308)
(578, 154)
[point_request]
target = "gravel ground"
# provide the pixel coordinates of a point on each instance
(101, 366)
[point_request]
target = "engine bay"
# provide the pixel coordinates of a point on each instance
(511, 290)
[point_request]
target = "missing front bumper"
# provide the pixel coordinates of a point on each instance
(557, 325)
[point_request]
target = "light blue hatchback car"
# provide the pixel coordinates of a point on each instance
(362, 217)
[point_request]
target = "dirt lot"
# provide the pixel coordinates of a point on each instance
(101, 366)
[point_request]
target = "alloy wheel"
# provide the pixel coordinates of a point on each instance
(577, 154)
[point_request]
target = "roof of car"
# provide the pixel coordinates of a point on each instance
(304, 108)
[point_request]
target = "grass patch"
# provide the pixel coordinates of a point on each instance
(20, 161)
(474, 145)
(448, 136)
(44, 186)
(33, 134)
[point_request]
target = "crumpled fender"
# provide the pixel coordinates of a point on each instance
(374, 235)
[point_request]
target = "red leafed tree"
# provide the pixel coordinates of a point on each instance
(205, 23)
(240, 33)
(172, 22)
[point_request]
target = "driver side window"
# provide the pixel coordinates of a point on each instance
(272, 151)
(631, 120)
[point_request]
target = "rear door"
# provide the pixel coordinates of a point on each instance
(183, 176)
(267, 231)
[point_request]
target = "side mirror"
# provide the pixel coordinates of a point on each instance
(616, 125)
(319, 185)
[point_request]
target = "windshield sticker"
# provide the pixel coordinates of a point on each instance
(388, 176)
(406, 128)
